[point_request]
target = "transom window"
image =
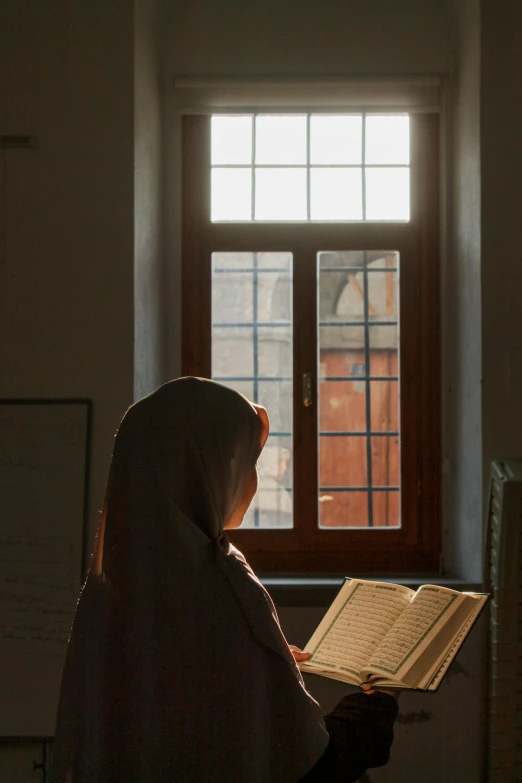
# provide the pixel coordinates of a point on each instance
(310, 284)
(310, 167)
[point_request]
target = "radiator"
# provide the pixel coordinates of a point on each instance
(503, 579)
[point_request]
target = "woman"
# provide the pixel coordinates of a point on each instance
(177, 669)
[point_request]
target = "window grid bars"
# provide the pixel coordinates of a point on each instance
(280, 269)
(250, 324)
(369, 465)
(311, 165)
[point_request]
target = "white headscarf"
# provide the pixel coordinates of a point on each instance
(177, 669)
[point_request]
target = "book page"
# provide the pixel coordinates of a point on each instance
(433, 678)
(354, 626)
(410, 636)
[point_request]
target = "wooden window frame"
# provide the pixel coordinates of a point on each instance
(307, 549)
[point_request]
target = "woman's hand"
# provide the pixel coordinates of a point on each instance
(369, 690)
(298, 654)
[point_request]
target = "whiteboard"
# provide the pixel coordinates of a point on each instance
(44, 449)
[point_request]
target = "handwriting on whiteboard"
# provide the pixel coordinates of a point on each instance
(36, 610)
(38, 592)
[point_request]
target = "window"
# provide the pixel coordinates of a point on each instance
(310, 167)
(311, 285)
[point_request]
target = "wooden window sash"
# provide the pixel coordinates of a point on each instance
(415, 546)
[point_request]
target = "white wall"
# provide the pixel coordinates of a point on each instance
(66, 277)
(306, 37)
(149, 318)
(501, 154)
(462, 304)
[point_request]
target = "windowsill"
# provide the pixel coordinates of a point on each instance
(321, 590)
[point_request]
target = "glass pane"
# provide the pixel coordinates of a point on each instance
(227, 261)
(332, 188)
(342, 461)
(246, 388)
(231, 139)
(274, 296)
(355, 304)
(276, 396)
(357, 259)
(383, 295)
(280, 194)
(231, 194)
(251, 516)
(342, 406)
(273, 505)
(383, 351)
(385, 461)
(388, 193)
(232, 297)
(343, 509)
(232, 352)
(335, 139)
(341, 259)
(248, 357)
(281, 139)
(334, 338)
(384, 396)
(275, 354)
(351, 298)
(276, 460)
(275, 260)
(387, 139)
(270, 508)
(386, 509)
(381, 260)
(336, 194)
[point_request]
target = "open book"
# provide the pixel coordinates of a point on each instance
(390, 636)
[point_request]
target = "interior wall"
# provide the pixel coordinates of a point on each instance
(501, 151)
(66, 274)
(462, 293)
(288, 38)
(149, 329)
